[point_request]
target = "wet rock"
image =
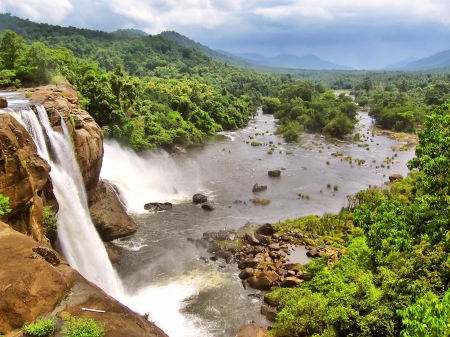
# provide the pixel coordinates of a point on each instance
(213, 247)
(260, 282)
(252, 330)
(199, 198)
(274, 246)
(395, 176)
(247, 264)
(158, 206)
(3, 102)
(261, 238)
(258, 188)
(178, 149)
(290, 282)
(284, 237)
(274, 173)
(273, 276)
(269, 312)
(203, 259)
(250, 237)
(246, 273)
(313, 253)
(266, 229)
(207, 207)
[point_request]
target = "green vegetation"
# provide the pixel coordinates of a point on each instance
(302, 106)
(4, 205)
(393, 275)
(82, 327)
(42, 327)
(48, 218)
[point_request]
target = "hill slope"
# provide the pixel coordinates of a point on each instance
(438, 60)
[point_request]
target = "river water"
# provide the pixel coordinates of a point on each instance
(162, 271)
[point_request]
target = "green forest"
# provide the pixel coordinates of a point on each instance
(393, 276)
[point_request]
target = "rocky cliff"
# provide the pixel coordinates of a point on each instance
(35, 281)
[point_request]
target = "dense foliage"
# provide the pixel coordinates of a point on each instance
(394, 273)
(144, 90)
(302, 106)
(4, 205)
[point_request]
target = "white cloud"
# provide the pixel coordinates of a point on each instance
(52, 11)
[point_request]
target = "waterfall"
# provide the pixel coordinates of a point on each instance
(79, 240)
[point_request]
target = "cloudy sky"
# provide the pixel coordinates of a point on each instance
(364, 34)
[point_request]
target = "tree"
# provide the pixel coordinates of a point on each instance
(270, 105)
(11, 48)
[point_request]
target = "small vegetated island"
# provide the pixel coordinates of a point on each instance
(392, 276)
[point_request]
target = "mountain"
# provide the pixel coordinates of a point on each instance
(438, 60)
(129, 33)
(221, 56)
(307, 61)
(400, 64)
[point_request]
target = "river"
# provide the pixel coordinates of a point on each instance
(162, 271)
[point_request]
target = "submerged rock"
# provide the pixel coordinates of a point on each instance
(3, 102)
(252, 330)
(274, 173)
(207, 207)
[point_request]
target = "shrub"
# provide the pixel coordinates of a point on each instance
(42, 327)
(4, 205)
(82, 327)
(48, 218)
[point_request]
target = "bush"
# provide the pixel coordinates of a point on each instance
(82, 327)
(4, 205)
(42, 327)
(48, 218)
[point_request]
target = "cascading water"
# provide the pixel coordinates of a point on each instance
(80, 242)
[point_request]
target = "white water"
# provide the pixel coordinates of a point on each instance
(80, 242)
(139, 183)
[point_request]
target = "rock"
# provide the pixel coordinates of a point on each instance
(158, 206)
(260, 282)
(32, 288)
(213, 247)
(246, 273)
(178, 149)
(273, 276)
(269, 312)
(274, 173)
(108, 214)
(112, 255)
(266, 229)
(49, 255)
(3, 102)
(274, 246)
(395, 176)
(199, 198)
(290, 282)
(207, 207)
(271, 302)
(313, 253)
(24, 179)
(258, 188)
(250, 237)
(261, 238)
(247, 264)
(252, 330)
(284, 237)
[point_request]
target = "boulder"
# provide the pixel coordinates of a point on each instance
(178, 149)
(313, 253)
(199, 198)
(207, 207)
(261, 238)
(3, 102)
(266, 229)
(250, 237)
(274, 173)
(271, 302)
(258, 188)
(260, 282)
(246, 273)
(252, 330)
(273, 276)
(31, 287)
(290, 282)
(247, 264)
(274, 246)
(395, 176)
(269, 312)
(108, 214)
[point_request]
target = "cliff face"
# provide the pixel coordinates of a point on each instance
(23, 178)
(35, 281)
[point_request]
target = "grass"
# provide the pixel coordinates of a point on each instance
(82, 327)
(258, 201)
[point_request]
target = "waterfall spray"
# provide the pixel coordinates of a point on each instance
(80, 242)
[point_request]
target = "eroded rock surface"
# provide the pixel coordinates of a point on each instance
(31, 287)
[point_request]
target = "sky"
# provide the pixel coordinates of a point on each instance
(363, 34)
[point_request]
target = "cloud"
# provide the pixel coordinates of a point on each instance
(50, 11)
